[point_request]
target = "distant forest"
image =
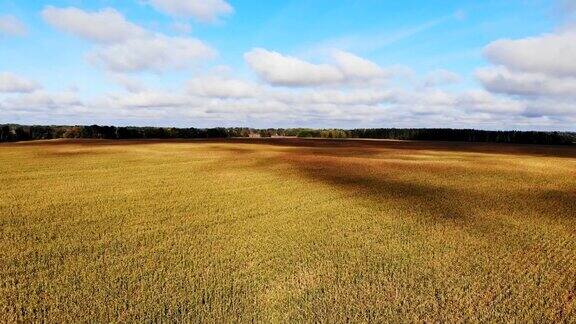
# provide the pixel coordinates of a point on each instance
(13, 132)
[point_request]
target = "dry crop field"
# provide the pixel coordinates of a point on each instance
(286, 230)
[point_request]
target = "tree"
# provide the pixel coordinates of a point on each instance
(73, 132)
(4, 133)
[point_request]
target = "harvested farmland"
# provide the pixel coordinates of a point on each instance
(286, 230)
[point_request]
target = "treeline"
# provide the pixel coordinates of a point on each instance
(12, 132)
(446, 134)
(26, 133)
(469, 135)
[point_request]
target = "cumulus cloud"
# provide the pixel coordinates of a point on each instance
(440, 77)
(222, 87)
(482, 101)
(279, 69)
(12, 26)
(335, 97)
(12, 83)
(549, 54)
(428, 98)
(147, 99)
(539, 72)
(103, 26)
(546, 107)
(43, 100)
(127, 82)
(284, 70)
(502, 80)
(124, 46)
(355, 67)
(158, 53)
(201, 10)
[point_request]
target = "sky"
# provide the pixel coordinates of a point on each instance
(490, 64)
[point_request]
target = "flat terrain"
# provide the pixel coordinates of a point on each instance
(286, 230)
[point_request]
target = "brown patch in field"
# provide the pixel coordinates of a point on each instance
(69, 153)
(567, 308)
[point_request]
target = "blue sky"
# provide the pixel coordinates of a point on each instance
(484, 64)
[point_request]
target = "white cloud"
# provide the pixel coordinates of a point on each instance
(12, 26)
(149, 99)
(551, 54)
(104, 26)
(355, 67)
(157, 53)
(482, 101)
(502, 80)
(551, 107)
(440, 77)
(127, 82)
(222, 87)
(279, 69)
(540, 72)
(124, 46)
(287, 107)
(428, 98)
(43, 100)
(201, 10)
(11, 83)
(284, 70)
(335, 97)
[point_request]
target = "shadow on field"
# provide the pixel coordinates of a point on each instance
(364, 145)
(381, 186)
(553, 202)
(432, 191)
(374, 180)
(360, 145)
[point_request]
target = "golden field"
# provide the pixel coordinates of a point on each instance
(286, 230)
